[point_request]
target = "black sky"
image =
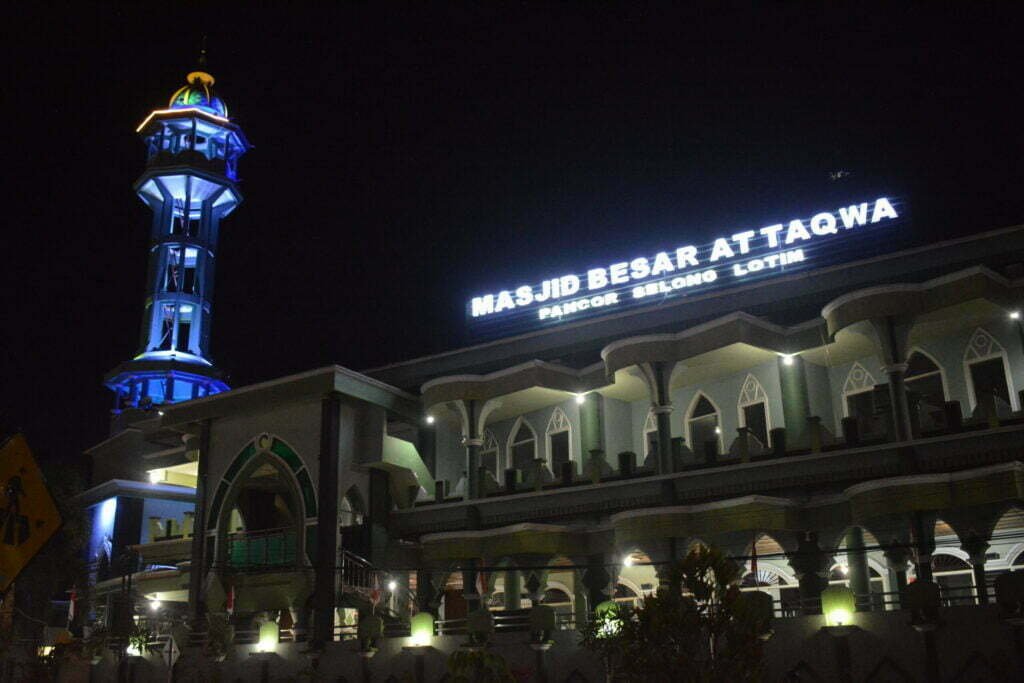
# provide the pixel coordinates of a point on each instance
(405, 160)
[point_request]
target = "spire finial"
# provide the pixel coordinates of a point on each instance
(202, 54)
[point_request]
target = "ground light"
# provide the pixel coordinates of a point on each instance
(269, 636)
(421, 628)
(838, 603)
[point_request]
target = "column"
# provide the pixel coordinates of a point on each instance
(536, 585)
(796, 402)
(810, 565)
(976, 547)
(598, 581)
(428, 598)
(325, 582)
(472, 441)
(892, 336)
(857, 563)
(469, 589)
(591, 424)
(924, 546)
(658, 374)
(513, 588)
(897, 560)
(198, 561)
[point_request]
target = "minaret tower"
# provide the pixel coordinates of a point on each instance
(190, 184)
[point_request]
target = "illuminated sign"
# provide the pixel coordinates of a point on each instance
(737, 257)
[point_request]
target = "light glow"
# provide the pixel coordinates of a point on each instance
(392, 586)
(430, 419)
(839, 617)
(270, 635)
(628, 561)
(1014, 315)
(183, 110)
(787, 359)
(581, 399)
(421, 628)
(156, 476)
(154, 605)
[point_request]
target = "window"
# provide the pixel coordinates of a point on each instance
(559, 434)
(489, 453)
(176, 327)
(350, 512)
(181, 273)
(650, 434)
(753, 409)
(865, 400)
(988, 374)
(522, 445)
(926, 394)
(702, 424)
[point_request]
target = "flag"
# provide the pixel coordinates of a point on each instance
(229, 602)
(753, 562)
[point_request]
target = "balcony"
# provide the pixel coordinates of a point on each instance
(258, 550)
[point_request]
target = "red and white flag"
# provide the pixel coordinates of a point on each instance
(229, 602)
(71, 606)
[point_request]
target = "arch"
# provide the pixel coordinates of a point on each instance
(559, 449)
(752, 394)
(699, 418)
(982, 349)
(925, 380)
(265, 457)
(522, 444)
(650, 428)
(490, 454)
(351, 509)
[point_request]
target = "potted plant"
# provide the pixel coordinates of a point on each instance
(219, 637)
(96, 643)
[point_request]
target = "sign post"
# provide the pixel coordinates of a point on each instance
(28, 513)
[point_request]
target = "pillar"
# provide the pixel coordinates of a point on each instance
(598, 581)
(469, 589)
(897, 560)
(976, 547)
(657, 374)
(536, 585)
(924, 546)
(428, 596)
(513, 588)
(810, 565)
(325, 580)
(892, 336)
(198, 562)
(796, 402)
(857, 563)
(472, 441)
(591, 423)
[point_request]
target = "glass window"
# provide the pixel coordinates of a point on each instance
(755, 417)
(703, 425)
(988, 377)
(559, 451)
(925, 394)
(489, 454)
(523, 447)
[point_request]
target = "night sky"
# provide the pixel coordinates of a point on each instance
(404, 161)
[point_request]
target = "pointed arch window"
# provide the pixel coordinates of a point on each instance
(926, 390)
(650, 434)
(753, 409)
(864, 400)
(703, 424)
(988, 373)
(522, 445)
(559, 436)
(489, 455)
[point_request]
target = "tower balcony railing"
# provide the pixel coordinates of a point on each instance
(255, 550)
(193, 158)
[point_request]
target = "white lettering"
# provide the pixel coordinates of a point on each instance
(823, 224)
(854, 215)
(721, 250)
(662, 264)
(686, 256)
(597, 278)
(524, 295)
(619, 273)
(796, 231)
(570, 284)
(639, 268)
(883, 209)
(743, 239)
(504, 302)
(772, 233)
(482, 305)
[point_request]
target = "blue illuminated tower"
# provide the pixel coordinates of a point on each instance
(190, 184)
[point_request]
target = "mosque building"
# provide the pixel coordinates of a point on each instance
(824, 422)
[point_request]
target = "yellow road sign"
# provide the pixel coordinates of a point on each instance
(28, 514)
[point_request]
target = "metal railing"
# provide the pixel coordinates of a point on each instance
(258, 549)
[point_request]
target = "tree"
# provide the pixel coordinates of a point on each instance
(700, 629)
